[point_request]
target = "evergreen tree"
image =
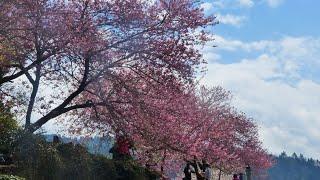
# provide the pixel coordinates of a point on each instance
(294, 168)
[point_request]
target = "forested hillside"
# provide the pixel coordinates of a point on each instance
(294, 167)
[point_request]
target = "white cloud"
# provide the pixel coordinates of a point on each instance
(230, 4)
(231, 19)
(207, 7)
(234, 45)
(294, 53)
(211, 57)
(246, 3)
(236, 4)
(286, 112)
(274, 3)
(219, 4)
(290, 111)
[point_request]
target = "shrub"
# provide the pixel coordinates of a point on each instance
(36, 159)
(8, 129)
(10, 177)
(104, 168)
(76, 161)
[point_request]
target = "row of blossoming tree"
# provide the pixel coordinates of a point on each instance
(125, 67)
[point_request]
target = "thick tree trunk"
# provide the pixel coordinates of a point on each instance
(35, 83)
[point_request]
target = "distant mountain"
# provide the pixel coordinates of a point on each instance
(294, 167)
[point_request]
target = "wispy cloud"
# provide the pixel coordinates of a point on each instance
(230, 19)
(246, 3)
(227, 4)
(295, 53)
(274, 3)
(231, 4)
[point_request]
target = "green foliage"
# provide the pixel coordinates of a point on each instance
(76, 161)
(8, 129)
(37, 159)
(104, 168)
(10, 177)
(129, 170)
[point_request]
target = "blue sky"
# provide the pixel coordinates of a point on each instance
(268, 55)
(262, 21)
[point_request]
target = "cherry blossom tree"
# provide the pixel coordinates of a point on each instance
(173, 124)
(126, 67)
(52, 51)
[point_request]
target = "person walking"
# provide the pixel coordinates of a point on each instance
(235, 177)
(208, 174)
(188, 170)
(197, 170)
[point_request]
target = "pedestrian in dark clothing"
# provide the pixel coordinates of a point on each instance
(195, 165)
(241, 176)
(235, 177)
(208, 174)
(203, 165)
(187, 171)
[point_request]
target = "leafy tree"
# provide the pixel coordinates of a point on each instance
(36, 159)
(8, 129)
